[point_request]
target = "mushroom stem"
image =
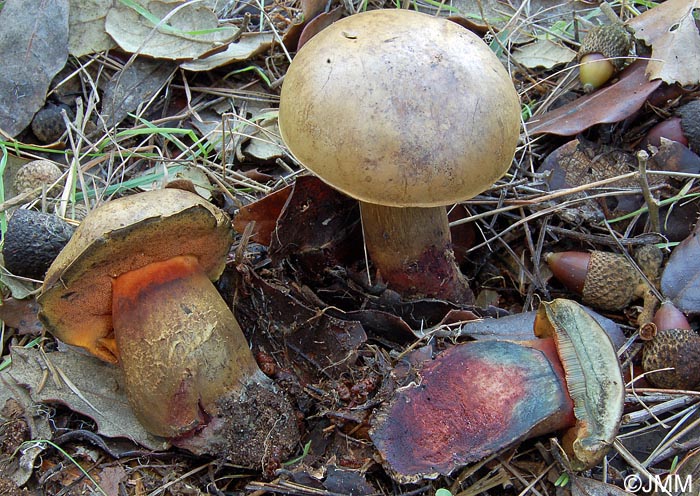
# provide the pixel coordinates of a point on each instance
(411, 249)
(168, 319)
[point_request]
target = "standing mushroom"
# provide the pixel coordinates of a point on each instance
(406, 113)
(133, 286)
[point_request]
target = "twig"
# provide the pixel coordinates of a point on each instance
(652, 204)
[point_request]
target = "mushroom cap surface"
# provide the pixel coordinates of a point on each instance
(399, 108)
(123, 235)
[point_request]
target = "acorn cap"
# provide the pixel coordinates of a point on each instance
(35, 174)
(604, 280)
(678, 349)
(611, 282)
(593, 378)
(675, 346)
(690, 123)
(611, 40)
(359, 108)
(124, 235)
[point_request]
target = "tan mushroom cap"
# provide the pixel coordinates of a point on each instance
(399, 108)
(120, 236)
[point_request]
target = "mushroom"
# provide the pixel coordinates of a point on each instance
(406, 113)
(134, 286)
(478, 398)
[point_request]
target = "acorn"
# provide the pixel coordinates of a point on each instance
(676, 346)
(602, 54)
(605, 280)
(683, 127)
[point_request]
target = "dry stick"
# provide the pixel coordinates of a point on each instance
(514, 204)
(630, 458)
(650, 412)
(652, 203)
(672, 437)
(533, 216)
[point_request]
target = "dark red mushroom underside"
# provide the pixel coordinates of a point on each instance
(471, 401)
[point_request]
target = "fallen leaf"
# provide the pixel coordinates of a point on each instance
(21, 315)
(20, 468)
(265, 143)
(87, 27)
(543, 53)
(98, 391)
(318, 23)
(110, 479)
(654, 24)
(675, 58)
(33, 48)
(132, 86)
(586, 486)
(318, 338)
(610, 104)
(264, 213)
(309, 10)
(167, 30)
(249, 45)
(669, 28)
(680, 280)
(318, 228)
(166, 175)
(496, 14)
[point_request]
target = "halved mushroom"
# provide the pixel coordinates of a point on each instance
(407, 113)
(478, 398)
(133, 286)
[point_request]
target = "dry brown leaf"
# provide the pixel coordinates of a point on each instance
(96, 383)
(179, 31)
(249, 45)
(675, 57)
(33, 48)
(681, 277)
(543, 53)
(610, 104)
(132, 86)
(654, 23)
(497, 14)
(266, 144)
(671, 31)
(87, 27)
(585, 486)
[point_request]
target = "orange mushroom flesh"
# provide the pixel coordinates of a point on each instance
(481, 397)
(406, 113)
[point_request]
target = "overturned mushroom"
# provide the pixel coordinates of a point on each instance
(478, 398)
(406, 113)
(133, 286)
